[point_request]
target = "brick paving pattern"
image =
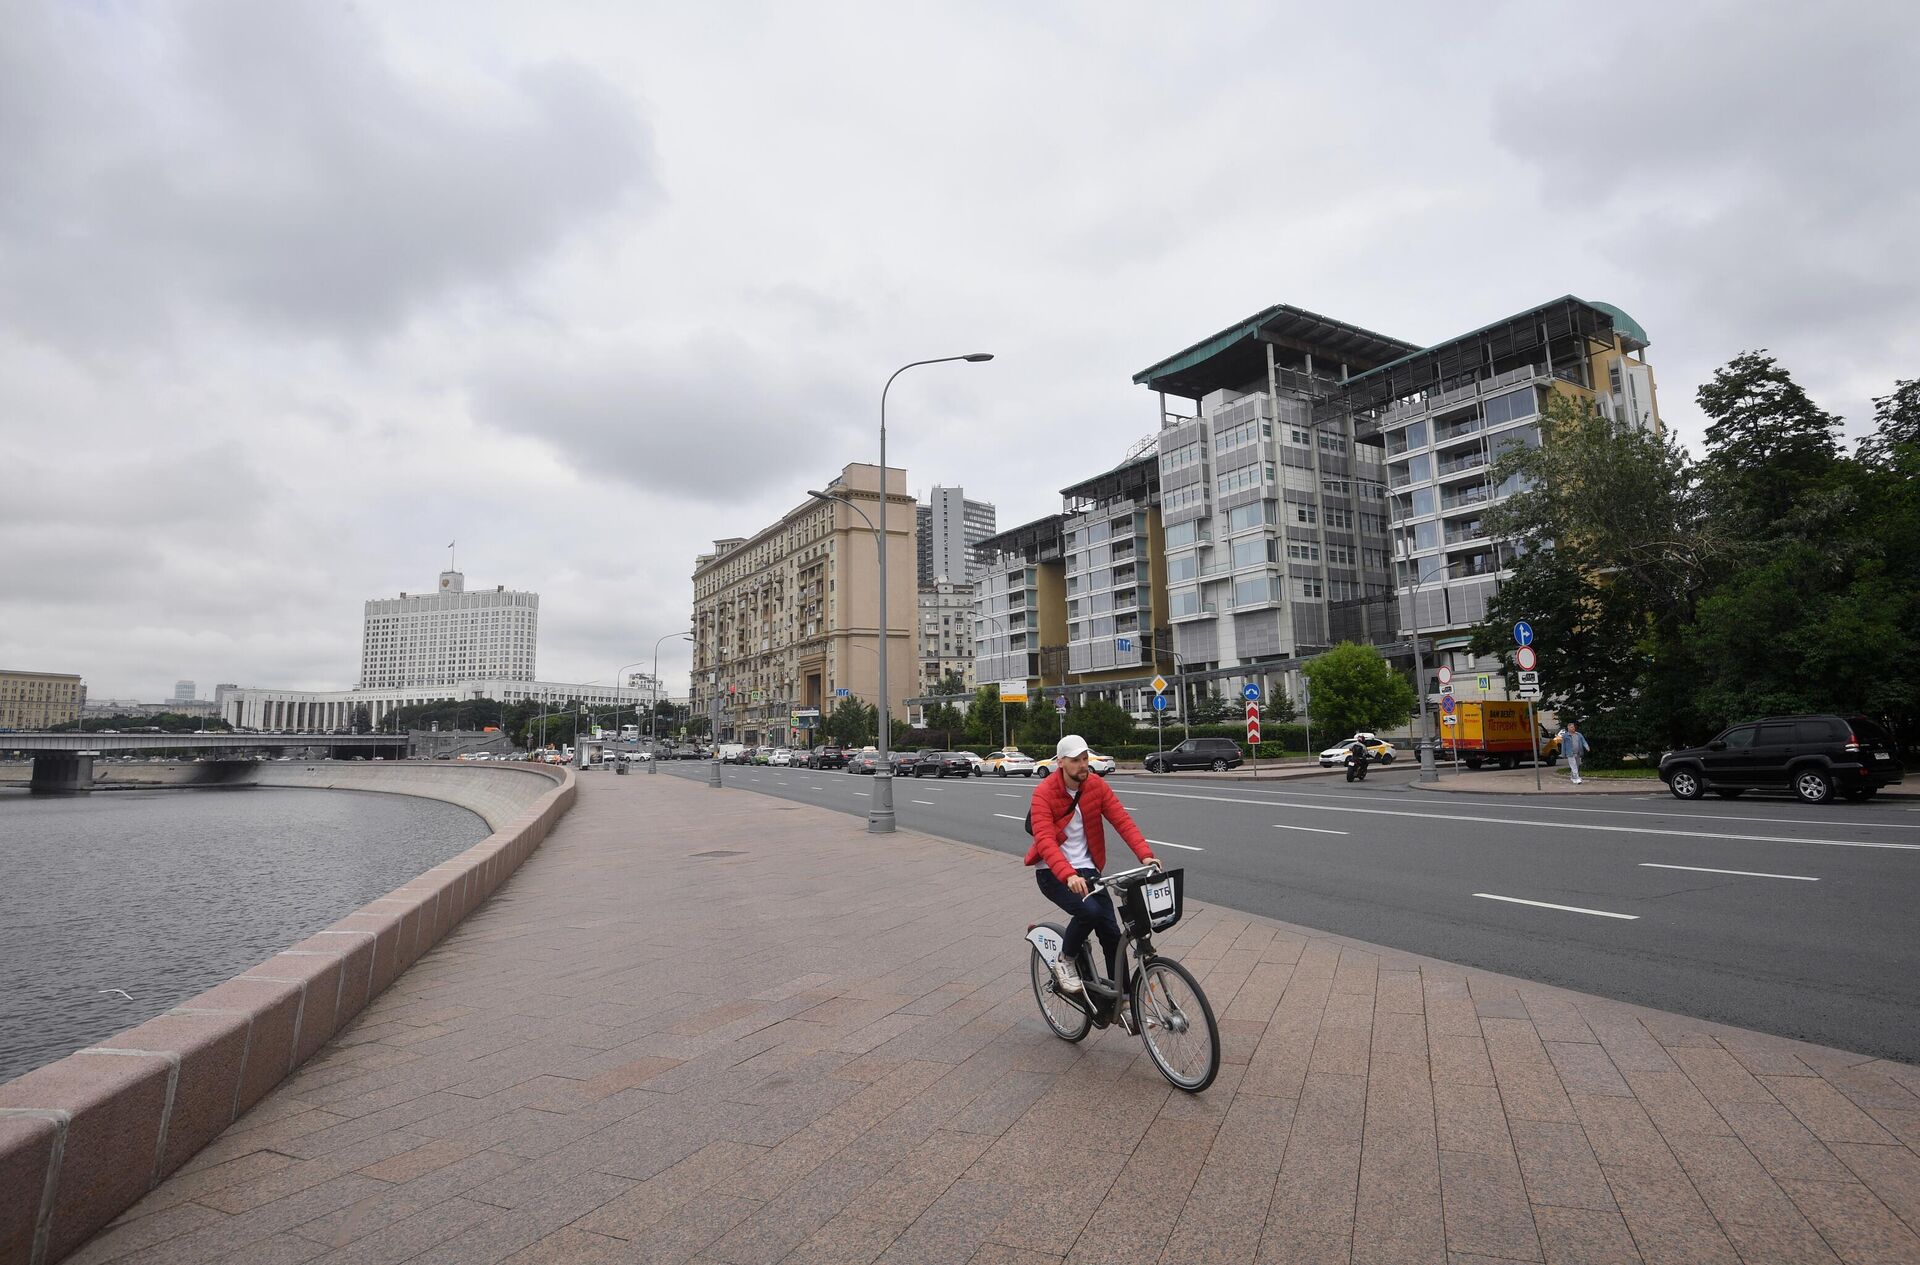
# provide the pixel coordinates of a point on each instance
(709, 1026)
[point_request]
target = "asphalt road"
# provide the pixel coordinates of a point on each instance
(1761, 912)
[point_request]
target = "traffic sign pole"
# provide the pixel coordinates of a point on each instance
(1533, 731)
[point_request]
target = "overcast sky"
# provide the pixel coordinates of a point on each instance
(292, 294)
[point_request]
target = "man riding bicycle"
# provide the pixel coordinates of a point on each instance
(1070, 846)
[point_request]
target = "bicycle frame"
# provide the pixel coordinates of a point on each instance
(1136, 946)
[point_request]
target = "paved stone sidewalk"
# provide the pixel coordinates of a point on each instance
(711, 1026)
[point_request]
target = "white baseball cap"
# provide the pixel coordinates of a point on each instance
(1070, 746)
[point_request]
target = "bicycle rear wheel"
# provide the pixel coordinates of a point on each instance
(1068, 1021)
(1176, 1024)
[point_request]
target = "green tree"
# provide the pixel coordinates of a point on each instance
(1767, 445)
(852, 723)
(1354, 688)
(1039, 730)
(1101, 723)
(952, 683)
(1614, 550)
(947, 721)
(1279, 708)
(1211, 709)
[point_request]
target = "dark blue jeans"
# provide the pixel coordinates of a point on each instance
(1091, 913)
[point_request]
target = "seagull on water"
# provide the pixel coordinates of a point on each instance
(121, 991)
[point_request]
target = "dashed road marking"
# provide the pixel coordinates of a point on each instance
(1701, 869)
(1572, 909)
(1310, 829)
(1162, 843)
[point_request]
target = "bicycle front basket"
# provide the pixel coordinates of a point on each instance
(1156, 902)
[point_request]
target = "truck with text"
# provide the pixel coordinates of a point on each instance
(1492, 732)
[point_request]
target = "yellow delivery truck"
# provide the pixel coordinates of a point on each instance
(1493, 733)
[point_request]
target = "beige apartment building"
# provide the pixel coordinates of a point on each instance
(787, 620)
(35, 700)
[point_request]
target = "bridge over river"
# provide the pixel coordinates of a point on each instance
(63, 763)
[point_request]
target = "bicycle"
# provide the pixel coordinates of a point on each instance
(1162, 1002)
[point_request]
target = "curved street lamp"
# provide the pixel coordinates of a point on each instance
(880, 819)
(653, 720)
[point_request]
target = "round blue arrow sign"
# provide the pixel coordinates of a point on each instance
(1159, 702)
(1250, 692)
(1523, 633)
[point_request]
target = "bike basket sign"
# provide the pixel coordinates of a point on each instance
(1156, 903)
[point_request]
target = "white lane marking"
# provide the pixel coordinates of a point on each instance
(1701, 869)
(1572, 909)
(1554, 825)
(1004, 795)
(929, 803)
(1162, 843)
(1009, 816)
(864, 794)
(1310, 829)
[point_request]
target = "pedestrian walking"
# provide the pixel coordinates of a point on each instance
(1574, 746)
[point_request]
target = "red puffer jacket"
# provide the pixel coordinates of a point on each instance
(1053, 805)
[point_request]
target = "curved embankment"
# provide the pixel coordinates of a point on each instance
(82, 1139)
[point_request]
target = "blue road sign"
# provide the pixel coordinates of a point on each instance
(1123, 643)
(1060, 703)
(1446, 703)
(1523, 633)
(1250, 692)
(842, 692)
(1159, 702)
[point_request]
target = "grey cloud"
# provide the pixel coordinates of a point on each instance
(1747, 186)
(271, 162)
(714, 421)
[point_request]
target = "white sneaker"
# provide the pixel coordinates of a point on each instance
(1066, 977)
(1576, 781)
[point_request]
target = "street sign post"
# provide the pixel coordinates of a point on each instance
(1159, 684)
(1527, 658)
(1159, 703)
(1250, 692)
(1253, 734)
(1445, 674)
(1523, 633)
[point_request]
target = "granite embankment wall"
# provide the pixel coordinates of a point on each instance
(82, 1139)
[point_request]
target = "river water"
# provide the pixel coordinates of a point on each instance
(163, 894)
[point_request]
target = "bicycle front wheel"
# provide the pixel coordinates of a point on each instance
(1068, 1021)
(1176, 1023)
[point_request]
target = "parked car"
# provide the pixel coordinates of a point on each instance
(864, 760)
(1101, 764)
(943, 763)
(979, 763)
(1008, 762)
(781, 758)
(1218, 754)
(1378, 748)
(827, 758)
(762, 755)
(1815, 757)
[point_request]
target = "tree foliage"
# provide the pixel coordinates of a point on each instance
(1354, 689)
(1671, 599)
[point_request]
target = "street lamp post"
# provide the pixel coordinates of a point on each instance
(1427, 772)
(880, 819)
(653, 755)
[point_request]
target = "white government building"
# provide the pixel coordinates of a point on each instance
(445, 646)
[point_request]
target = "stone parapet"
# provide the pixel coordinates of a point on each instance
(82, 1139)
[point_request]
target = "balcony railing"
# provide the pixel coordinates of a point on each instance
(1457, 465)
(1474, 495)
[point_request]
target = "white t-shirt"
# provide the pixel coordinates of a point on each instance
(1074, 842)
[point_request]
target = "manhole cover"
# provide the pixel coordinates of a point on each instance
(719, 852)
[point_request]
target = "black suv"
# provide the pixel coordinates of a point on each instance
(1815, 757)
(1217, 754)
(827, 758)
